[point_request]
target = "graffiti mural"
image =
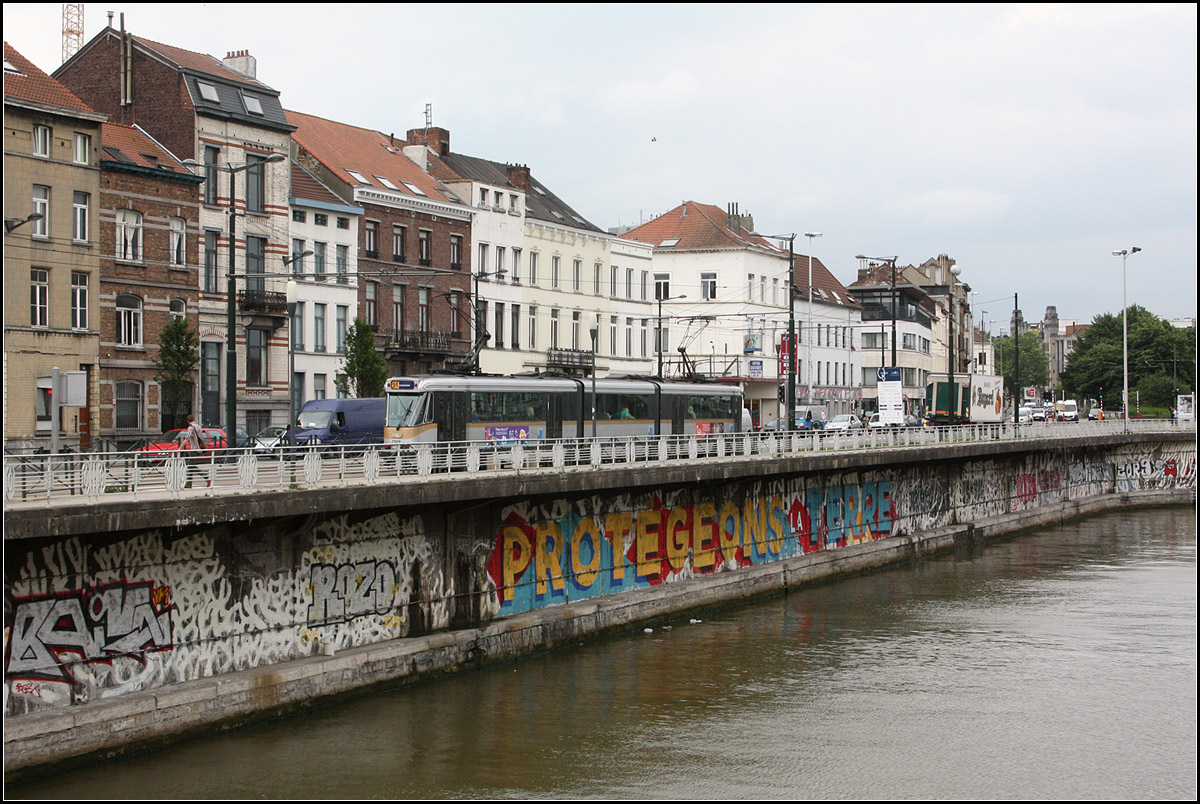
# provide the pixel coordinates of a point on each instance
(93, 625)
(91, 618)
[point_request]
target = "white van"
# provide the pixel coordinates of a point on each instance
(1070, 411)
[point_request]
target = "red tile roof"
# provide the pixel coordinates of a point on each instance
(131, 145)
(702, 227)
(341, 147)
(308, 187)
(200, 62)
(31, 84)
(697, 226)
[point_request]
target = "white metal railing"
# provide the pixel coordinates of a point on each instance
(41, 480)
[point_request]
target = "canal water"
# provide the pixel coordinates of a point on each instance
(1052, 664)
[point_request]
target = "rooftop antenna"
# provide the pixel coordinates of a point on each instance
(428, 115)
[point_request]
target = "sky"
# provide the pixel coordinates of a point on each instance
(1028, 142)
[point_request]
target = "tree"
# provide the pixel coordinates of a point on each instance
(178, 357)
(363, 368)
(1035, 365)
(1161, 360)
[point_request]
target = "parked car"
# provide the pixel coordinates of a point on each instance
(844, 421)
(909, 421)
(173, 440)
(1039, 413)
(270, 439)
(801, 424)
(1094, 413)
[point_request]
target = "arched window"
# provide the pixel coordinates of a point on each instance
(128, 404)
(129, 235)
(178, 241)
(178, 309)
(129, 321)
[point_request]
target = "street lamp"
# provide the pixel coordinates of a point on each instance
(954, 271)
(809, 339)
(790, 393)
(293, 294)
(659, 333)
(1124, 254)
(892, 262)
(595, 333)
(231, 286)
(13, 223)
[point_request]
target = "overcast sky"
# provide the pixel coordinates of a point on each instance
(1027, 142)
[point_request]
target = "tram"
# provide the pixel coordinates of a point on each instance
(438, 408)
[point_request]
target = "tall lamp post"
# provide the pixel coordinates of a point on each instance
(809, 339)
(659, 339)
(957, 401)
(1124, 254)
(595, 333)
(232, 169)
(790, 393)
(293, 296)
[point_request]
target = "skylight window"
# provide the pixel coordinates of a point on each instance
(208, 92)
(670, 241)
(557, 214)
(538, 190)
(358, 177)
(9, 68)
(386, 183)
(252, 104)
(412, 187)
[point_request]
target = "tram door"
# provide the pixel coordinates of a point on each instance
(450, 409)
(677, 407)
(554, 416)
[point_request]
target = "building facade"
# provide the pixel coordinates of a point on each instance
(52, 261)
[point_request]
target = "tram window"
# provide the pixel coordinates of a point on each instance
(402, 407)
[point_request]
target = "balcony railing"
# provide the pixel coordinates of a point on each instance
(268, 302)
(569, 358)
(415, 340)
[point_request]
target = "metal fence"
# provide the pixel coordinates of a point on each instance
(42, 480)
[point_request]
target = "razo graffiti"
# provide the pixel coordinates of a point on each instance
(97, 625)
(343, 591)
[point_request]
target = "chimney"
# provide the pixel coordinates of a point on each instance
(241, 62)
(438, 139)
(418, 154)
(736, 221)
(518, 176)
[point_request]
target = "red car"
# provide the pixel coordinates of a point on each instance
(173, 440)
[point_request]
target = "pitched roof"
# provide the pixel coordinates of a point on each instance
(130, 145)
(697, 226)
(26, 82)
(540, 202)
(376, 159)
(306, 188)
(200, 62)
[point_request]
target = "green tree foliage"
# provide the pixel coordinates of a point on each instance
(178, 357)
(363, 368)
(1034, 364)
(1162, 358)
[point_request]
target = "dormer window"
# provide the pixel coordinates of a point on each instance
(253, 106)
(208, 92)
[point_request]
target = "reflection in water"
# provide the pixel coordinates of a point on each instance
(1054, 664)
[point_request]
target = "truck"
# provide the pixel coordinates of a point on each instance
(972, 398)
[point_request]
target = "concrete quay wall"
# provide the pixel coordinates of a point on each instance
(121, 641)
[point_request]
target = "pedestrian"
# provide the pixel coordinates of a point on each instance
(195, 444)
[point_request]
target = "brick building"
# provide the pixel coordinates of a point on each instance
(414, 248)
(148, 233)
(51, 263)
(217, 113)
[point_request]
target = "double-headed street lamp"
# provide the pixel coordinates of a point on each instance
(659, 340)
(790, 391)
(808, 341)
(1124, 254)
(293, 296)
(231, 288)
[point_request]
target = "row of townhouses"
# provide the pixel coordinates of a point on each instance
(171, 184)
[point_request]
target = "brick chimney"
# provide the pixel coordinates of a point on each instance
(518, 176)
(736, 221)
(438, 139)
(241, 62)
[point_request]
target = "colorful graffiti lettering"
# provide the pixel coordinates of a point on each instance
(97, 624)
(578, 556)
(343, 591)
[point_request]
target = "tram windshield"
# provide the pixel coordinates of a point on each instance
(404, 409)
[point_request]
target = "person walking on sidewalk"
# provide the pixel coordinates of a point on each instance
(195, 444)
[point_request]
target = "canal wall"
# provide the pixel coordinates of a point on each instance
(120, 639)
